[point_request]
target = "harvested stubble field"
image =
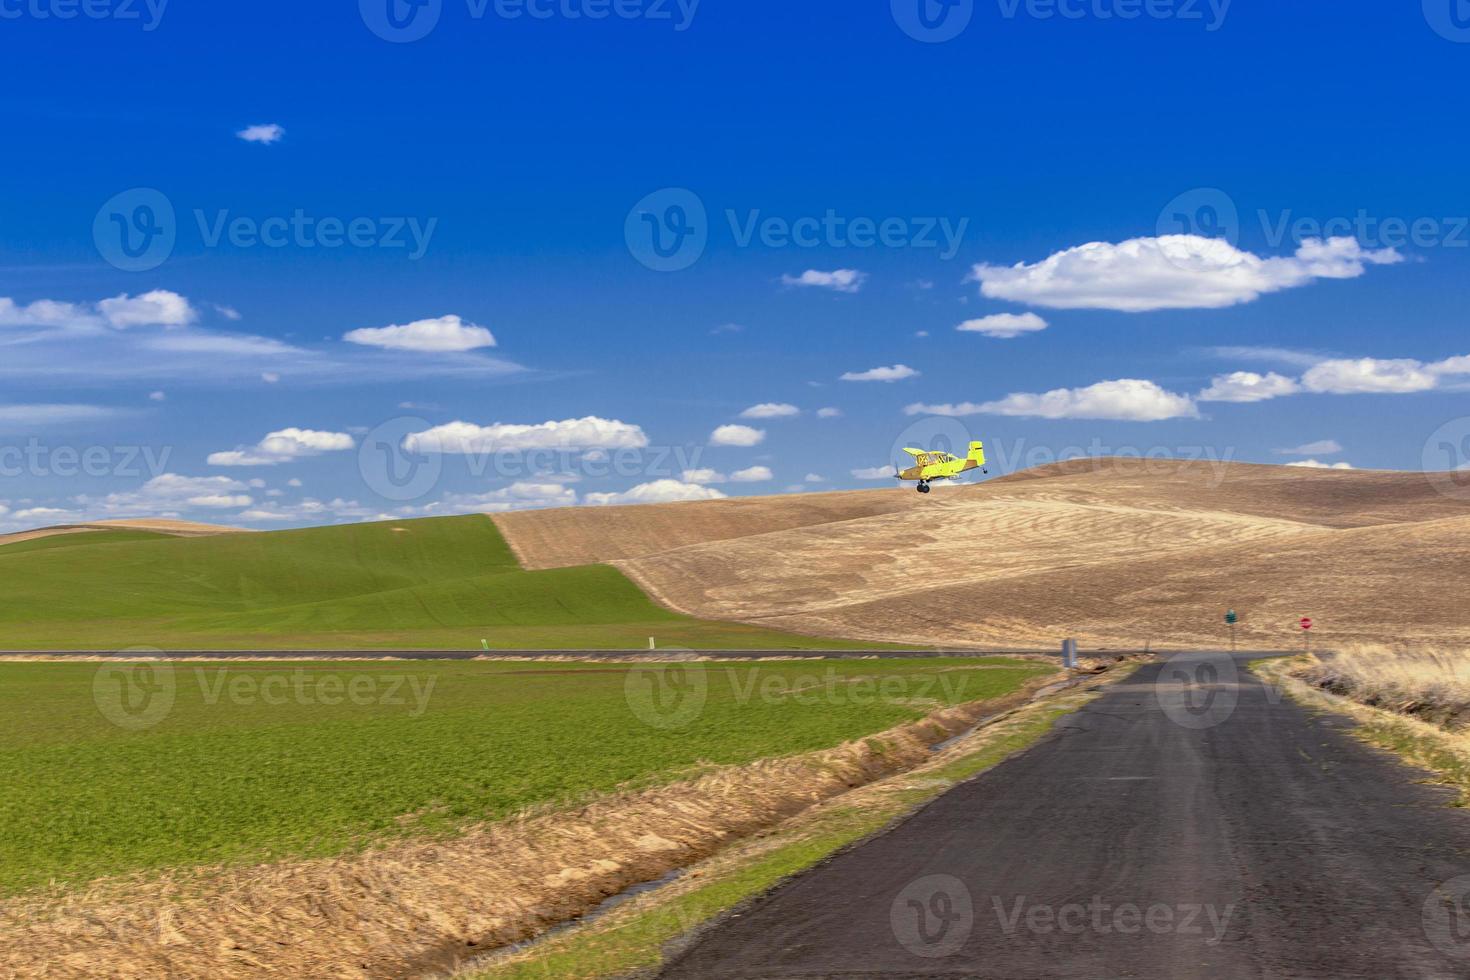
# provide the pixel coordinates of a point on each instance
(1118, 552)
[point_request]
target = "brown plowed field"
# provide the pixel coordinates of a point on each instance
(1114, 552)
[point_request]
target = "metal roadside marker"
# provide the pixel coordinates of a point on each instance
(1306, 625)
(1069, 654)
(1230, 620)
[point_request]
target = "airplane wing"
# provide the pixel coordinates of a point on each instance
(916, 453)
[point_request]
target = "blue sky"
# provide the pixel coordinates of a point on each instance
(1209, 229)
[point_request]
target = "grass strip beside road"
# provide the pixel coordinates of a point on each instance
(1428, 746)
(631, 939)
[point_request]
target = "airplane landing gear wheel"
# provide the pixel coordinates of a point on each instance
(923, 488)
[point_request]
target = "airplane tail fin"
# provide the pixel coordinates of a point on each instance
(977, 453)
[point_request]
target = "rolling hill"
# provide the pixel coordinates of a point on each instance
(433, 583)
(1117, 552)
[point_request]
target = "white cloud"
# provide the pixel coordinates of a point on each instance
(1124, 400)
(839, 280)
(1277, 355)
(737, 435)
(1323, 447)
(1452, 365)
(897, 372)
(220, 501)
(753, 474)
(293, 482)
(1318, 465)
(264, 133)
(829, 413)
(43, 313)
(704, 477)
(157, 396)
(1004, 326)
(284, 446)
(27, 415)
(656, 492)
(467, 438)
(158, 308)
(445, 334)
(1248, 386)
(1367, 375)
(815, 478)
(770, 410)
(170, 493)
(874, 473)
(1179, 272)
(522, 495)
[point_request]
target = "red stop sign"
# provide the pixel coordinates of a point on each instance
(1306, 623)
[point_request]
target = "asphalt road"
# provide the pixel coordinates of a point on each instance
(1188, 823)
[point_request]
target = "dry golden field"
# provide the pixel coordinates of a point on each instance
(157, 525)
(1117, 552)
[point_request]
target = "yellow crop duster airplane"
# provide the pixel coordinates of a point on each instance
(942, 466)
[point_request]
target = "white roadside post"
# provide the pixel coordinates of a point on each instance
(1069, 654)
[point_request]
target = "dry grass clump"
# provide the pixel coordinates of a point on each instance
(1432, 684)
(421, 907)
